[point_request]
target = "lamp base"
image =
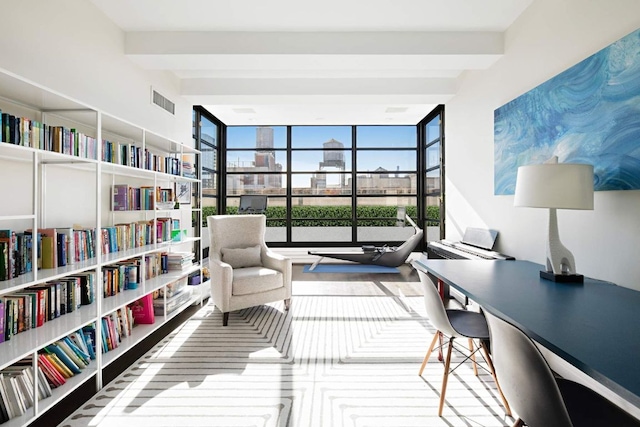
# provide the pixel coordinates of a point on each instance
(562, 278)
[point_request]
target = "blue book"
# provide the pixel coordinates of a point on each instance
(84, 357)
(54, 349)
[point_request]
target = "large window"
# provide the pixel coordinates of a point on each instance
(332, 185)
(326, 184)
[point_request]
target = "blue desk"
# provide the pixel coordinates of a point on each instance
(595, 326)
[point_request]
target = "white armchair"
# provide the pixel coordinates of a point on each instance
(244, 271)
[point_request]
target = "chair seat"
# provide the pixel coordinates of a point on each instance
(469, 324)
(245, 283)
(587, 408)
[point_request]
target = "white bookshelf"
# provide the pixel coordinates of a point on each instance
(46, 189)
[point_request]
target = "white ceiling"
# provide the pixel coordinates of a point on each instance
(257, 62)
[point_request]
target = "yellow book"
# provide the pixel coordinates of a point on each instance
(48, 252)
(60, 367)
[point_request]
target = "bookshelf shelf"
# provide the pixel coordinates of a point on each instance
(61, 174)
(24, 343)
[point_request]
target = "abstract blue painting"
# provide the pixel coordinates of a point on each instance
(589, 113)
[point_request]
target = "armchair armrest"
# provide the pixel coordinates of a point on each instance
(278, 262)
(222, 279)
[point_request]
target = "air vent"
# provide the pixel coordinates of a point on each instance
(163, 102)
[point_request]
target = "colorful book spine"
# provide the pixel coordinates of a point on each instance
(2, 320)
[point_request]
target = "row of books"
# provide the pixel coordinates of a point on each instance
(32, 307)
(115, 327)
(57, 362)
(125, 198)
(125, 275)
(32, 133)
(16, 389)
(56, 248)
(60, 139)
(132, 155)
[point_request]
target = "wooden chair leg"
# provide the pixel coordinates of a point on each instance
(445, 377)
(473, 357)
(426, 357)
(287, 304)
(225, 318)
(507, 409)
(518, 423)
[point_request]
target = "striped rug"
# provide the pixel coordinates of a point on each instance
(331, 361)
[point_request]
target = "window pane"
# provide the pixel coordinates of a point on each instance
(376, 183)
(321, 137)
(256, 183)
(385, 208)
(321, 207)
(320, 183)
(209, 183)
(256, 161)
(264, 137)
(209, 155)
(433, 155)
(208, 131)
(404, 160)
(321, 160)
(433, 129)
(432, 184)
(386, 136)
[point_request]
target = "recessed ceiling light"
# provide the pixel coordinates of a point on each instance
(244, 110)
(396, 110)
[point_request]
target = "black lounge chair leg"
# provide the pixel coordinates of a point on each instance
(225, 318)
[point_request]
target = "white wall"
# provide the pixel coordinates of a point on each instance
(69, 46)
(548, 38)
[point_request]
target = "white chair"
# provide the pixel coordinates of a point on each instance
(537, 396)
(244, 272)
(453, 324)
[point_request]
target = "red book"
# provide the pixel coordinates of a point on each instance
(143, 310)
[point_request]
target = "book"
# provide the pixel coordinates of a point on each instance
(49, 247)
(120, 197)
(59, 365)
(10, 239)
(2, 320)
(69, 244)
(71, 354)
(82, 355)
(143, 310)
(54, 349)
(5, 414)
(54, 377)
(89, 333)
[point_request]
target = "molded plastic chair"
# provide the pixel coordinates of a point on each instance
(455, 324)
(244, 272)
(537, 396)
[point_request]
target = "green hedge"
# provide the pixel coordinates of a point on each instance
(333, 216)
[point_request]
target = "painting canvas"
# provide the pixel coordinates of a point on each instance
(589, 113)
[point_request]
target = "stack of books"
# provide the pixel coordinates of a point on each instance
(180, 261)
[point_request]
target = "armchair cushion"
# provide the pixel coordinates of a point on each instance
(242, 257)
(252, 280)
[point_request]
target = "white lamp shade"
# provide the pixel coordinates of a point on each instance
(555, 185)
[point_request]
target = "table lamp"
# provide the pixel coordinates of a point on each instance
(556, 185)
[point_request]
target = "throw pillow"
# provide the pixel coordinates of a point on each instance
(242, 257)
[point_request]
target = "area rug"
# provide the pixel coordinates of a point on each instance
(330, 361)
(349, 268)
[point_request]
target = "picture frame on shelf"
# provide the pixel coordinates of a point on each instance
(183, 193)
